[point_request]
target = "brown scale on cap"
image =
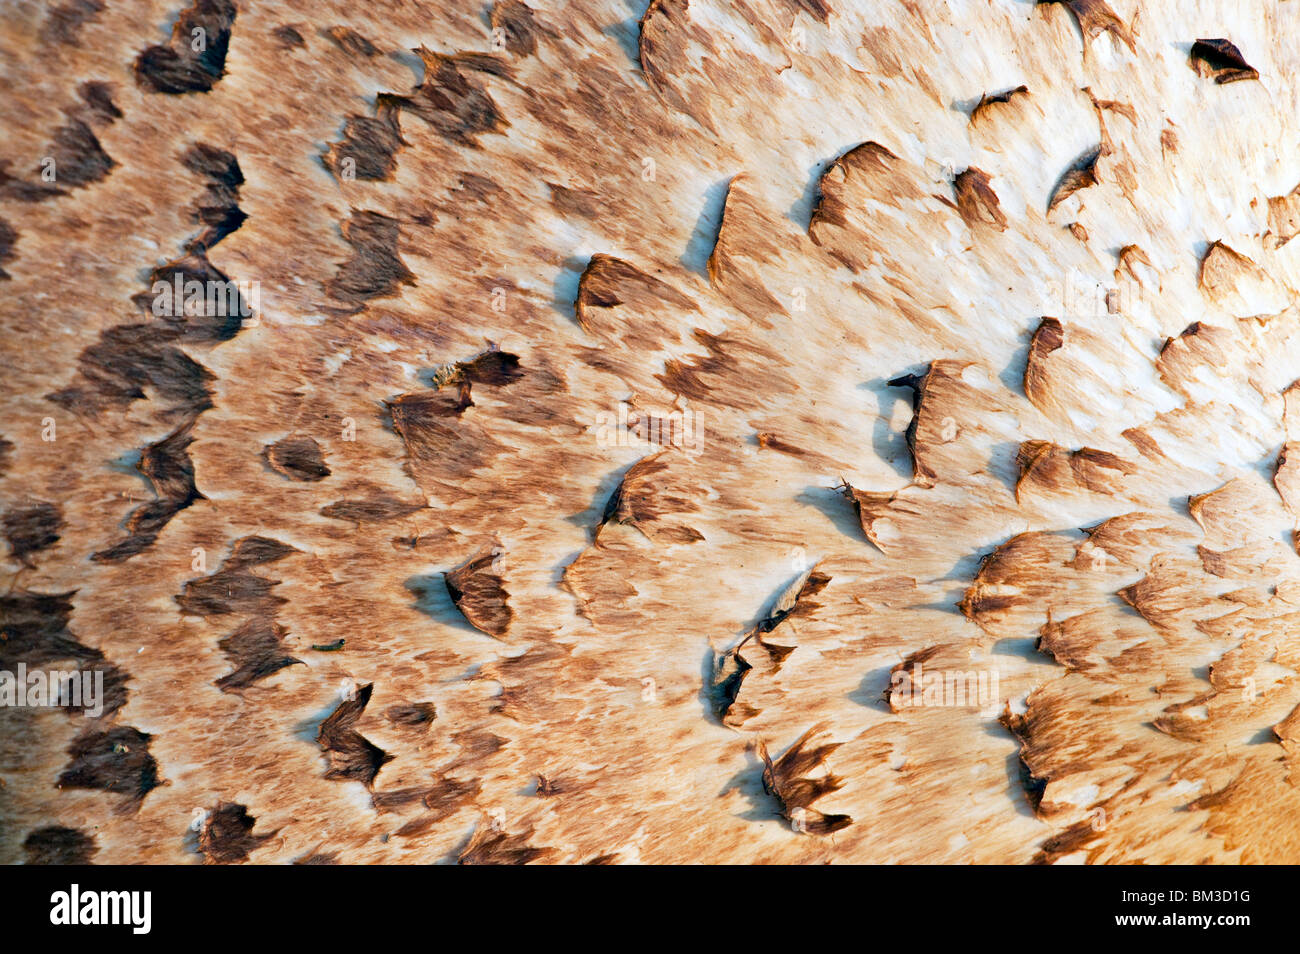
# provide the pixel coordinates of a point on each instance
(455, 98)
(989, 102)
(609, 282)
(1096, 17)
(493, 847)
(479, 593)
(976, 200)
(375, 270)
(351, 757)
(297, 457)
(519, 26)
(56, 845)
(30, 528)
(65, 21)
(1220, 60)
(351, 42)
(227, 837)
(1079, 176)
(183, 65)
(789, 782)
(731, 668)
(644, 497)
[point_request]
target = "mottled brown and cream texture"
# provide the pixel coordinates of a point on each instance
(622, 398)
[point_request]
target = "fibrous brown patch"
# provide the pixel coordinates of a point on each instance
(452, 98)
(113, 373)
(976, 200)
(75, 158)
(431, 426)
(1048, 337)
(1012, 576)
(217, 210)
(64, 22)
(489, 846)
(32, 527)
(1023, 727)
(479, 593)
(1095, 17)
(412, 714)
(256, 648)
(374, 270)
(787, 781)
(923, 474)
(987, 106)
(1079, 176)
(218, 317)
(1236, 282)
(1074, 839)
(351, 42)
(289, 36)
(715, 376)
(898, 690)
(641, 501)
(858, 197)
(1046, 467)
(1199, 345)
(99, 106)
(869, 506)
(1221, 60)
(113, 760)
(8, 239)
(731, 668)
(608, 282)
(34, 627)
(56, 845)
(1163, 594)
(575, 201)
(376, 509)
(818, 9)
(1129, 258)
(78, 157)
(12, 187)
(1283, 217)
(659, 37)
(745, 242)
(442, 799)
(298, 458)
(227, 835)
(168, 466)
(234, 588)
(178, 67)
(769, 441)
(369, 146)
(518, 25)
(351, 757)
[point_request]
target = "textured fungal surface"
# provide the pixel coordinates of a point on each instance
(611, 431)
